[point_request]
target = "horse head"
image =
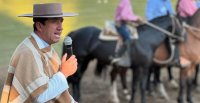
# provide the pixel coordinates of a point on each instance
(195, 21)
(177, 29)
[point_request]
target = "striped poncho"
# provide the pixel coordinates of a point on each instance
(29, 71)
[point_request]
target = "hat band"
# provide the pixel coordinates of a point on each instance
(48, 14)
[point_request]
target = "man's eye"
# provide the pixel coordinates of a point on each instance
(61, 20)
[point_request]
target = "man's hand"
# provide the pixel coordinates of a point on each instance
(68, 67)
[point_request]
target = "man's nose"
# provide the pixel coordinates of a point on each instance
(60, 27)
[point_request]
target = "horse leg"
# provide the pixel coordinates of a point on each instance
(159, 84)
(186, 80)
(124, 82)
(99, 68)
(143, 80)
(182, 84)
(135, 81)
(139, 77)
(76, 91)
(172, 82)
(190, 73)
(195, 81)
(149, 83)
(189, 89)
(169, 70)
(76, 78)
(156, 75)
(113, 89)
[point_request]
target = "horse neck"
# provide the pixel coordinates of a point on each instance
(190, 49)
(152, 35)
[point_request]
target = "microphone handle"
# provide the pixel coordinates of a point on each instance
(69, 51)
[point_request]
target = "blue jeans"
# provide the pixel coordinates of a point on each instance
(124, 32)
(126, 36)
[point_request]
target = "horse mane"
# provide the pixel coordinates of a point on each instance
(195, 19)
(161, 19)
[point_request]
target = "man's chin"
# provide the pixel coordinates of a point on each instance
(55, 41)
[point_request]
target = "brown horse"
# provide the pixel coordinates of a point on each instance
(162, 54)
(191, 51)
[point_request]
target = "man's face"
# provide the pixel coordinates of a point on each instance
(51, 30)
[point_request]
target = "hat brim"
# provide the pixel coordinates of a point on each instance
(48, 16)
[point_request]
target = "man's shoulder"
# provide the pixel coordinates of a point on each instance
(25, 47)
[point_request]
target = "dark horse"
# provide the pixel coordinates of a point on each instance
(87, 46)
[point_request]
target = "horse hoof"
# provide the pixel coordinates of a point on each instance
(163, 92)
(173, 84)
(125, 91)
(115, 100)
(180, 100)
(152, 93)
(197, 90)
(128, 97)
(189, 100)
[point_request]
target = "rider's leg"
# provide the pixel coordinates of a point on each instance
(125, 34)
(128, 46)
(179, 60)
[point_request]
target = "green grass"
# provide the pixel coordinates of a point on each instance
(12, 33)
(90, 13)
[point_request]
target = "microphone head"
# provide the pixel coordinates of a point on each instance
(68, 40)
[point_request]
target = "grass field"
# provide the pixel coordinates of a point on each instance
(13, 29)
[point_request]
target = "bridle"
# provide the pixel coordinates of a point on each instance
(177, 23)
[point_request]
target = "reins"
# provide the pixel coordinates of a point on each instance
(163, 30)
(192, 29)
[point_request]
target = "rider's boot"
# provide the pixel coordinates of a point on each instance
(118, 53)
(179, 60)
(122, 49)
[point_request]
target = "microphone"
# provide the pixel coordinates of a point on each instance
(68, 46)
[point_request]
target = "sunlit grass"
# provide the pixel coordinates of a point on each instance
(13, 8)
(12, 33)
(14, 29)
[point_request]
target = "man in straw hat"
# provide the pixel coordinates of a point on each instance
(35, 72)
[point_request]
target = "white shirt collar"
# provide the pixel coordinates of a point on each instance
(40, 42)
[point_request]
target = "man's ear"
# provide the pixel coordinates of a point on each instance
(39, 26)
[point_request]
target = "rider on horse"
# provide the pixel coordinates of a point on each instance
(185, 10)
(158, 8)
(123, 16)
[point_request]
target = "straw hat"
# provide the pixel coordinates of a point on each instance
(48, 10)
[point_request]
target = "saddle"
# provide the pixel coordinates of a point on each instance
(109, 32)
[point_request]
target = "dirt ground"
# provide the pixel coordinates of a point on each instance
(96, 89)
